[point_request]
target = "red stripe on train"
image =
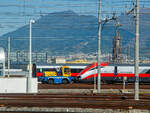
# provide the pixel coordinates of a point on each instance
(118, 75)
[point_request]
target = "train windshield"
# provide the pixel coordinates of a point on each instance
(95, 68)
(88, 66)
(145, 71)
(94, 65)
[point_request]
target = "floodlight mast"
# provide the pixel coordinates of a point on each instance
(99, 49)
(30, 48)
(8, 58)
(30, 57)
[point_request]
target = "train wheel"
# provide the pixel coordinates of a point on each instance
(51, 81)
(65, 81)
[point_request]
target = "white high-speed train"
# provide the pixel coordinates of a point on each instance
(115, 73)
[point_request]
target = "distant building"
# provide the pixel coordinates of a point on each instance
(81, 61)
(59, 60)
(116, 56)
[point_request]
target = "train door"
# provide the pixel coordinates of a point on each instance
(34, 70)
(116, 73)
(145, 76)
(115, 70)
(1, 69)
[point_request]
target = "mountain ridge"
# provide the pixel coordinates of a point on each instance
(69, 32)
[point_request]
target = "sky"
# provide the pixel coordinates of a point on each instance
(16, 13)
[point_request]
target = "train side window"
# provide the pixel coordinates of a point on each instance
(40, 70)
(52, 69)
(79, 70)
(73, 71)
(76, 70)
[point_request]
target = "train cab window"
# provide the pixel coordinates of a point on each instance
(145, 71)
(96, 68)
(88, 66)
(66, 70)
(148, 72)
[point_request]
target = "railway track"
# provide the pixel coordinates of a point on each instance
(89, 86)
(76, 100)
(114, 101)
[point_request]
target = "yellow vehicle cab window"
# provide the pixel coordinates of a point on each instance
(67, 71)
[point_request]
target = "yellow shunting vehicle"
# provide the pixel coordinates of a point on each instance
(61, 75)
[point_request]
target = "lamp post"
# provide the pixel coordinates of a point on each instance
(30, 57)
(8, 56)
(99, 49)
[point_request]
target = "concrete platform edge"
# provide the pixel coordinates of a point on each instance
(75, 110)
(89, 91)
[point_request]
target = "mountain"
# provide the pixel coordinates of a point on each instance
(128, 23)
(66, 32)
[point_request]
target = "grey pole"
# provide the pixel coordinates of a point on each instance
(128, 54)
(4, 68)
(99, 49)
(8, 55)
(30, 57)
(136, 97)
(95, 81)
